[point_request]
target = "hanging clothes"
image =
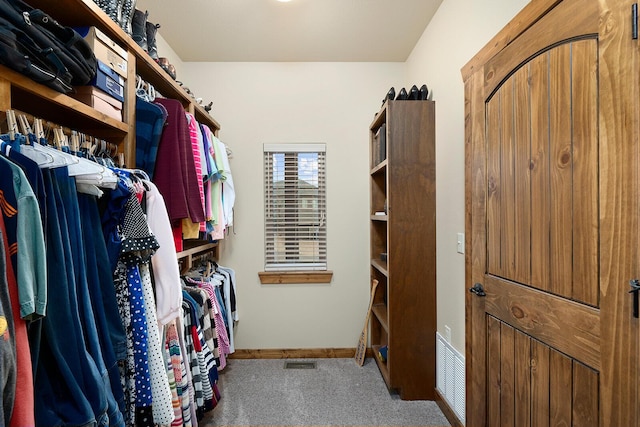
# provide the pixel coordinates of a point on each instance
(175, 175)
(8, 364)
(137, 246)
(150, 119)
(166, 273)
(190, 227)
(19, 202)
(177, 366)
(68, 386)
(69, 194)
(111, 350)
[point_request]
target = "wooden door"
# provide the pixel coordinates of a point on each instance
(552, 220)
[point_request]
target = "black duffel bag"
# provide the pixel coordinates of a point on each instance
(48, 52)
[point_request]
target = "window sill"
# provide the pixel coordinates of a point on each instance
(289, 277)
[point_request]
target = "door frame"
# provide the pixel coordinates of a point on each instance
(619, 208)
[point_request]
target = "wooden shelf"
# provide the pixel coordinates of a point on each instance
(203, 247)
(381, 266)
(404, 310)
(380, 117)
(40, 101)
(195, 249)
(382, 366)
(380, 167)
(82, 13)
(380, 311)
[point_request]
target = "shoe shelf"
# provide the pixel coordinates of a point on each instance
(87, 13)
(402, 245)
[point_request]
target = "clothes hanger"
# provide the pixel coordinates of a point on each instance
(59, 157)
(43, 159)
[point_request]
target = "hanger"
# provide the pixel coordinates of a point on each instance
(12, 123)
(45, 156)
(145, 90)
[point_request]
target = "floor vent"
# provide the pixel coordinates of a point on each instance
(299, 365)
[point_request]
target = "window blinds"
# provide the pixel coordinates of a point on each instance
(295, 207)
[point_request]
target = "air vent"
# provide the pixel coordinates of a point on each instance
(299, 365)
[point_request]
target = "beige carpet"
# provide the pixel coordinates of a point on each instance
(337, 392)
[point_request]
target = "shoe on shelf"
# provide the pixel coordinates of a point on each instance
(126, 16)
(168, 68)
(139, 29)
(390, 95)
(402, 95)
(414, 93)
(424, 93)
(152, 29)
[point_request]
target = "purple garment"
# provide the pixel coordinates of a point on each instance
(175, 173)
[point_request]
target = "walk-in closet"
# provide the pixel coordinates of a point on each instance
(318, 212)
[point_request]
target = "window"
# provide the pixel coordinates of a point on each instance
(295, 208)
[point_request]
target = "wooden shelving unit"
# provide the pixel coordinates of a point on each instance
(402, 185)
(23, 94)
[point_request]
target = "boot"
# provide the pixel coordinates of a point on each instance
(126, 16)
(111, 8)
(139, 29)
(152, 46)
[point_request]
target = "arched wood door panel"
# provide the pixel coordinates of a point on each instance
(550, 186)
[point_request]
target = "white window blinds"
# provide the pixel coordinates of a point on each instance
(295, 207)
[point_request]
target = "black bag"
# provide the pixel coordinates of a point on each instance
(50, 53)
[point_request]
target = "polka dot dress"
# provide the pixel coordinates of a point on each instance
(127, 366)
(140, 337)
(138, 244)
(162, 405)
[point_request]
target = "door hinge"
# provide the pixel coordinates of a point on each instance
(634, 21)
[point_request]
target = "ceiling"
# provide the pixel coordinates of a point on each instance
(298, 31)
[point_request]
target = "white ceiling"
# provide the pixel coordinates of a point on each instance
(298, 31)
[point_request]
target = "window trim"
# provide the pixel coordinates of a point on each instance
(298, 277)
(288, 274)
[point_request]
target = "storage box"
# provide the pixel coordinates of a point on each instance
(101, 101)
(105, 49)
(109, 81)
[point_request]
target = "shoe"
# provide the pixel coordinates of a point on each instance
(390, 95)
(152, 46)
(139, 29)
(169, 69)
(112, 8)
(414, 93)
(126, 16)
(402, 95)
(424, 93)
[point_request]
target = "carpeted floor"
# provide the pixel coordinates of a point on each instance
(336, 393)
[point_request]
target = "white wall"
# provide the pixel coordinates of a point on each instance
(456, 33)
(334, 103)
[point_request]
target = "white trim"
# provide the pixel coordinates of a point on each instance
(294, 148)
